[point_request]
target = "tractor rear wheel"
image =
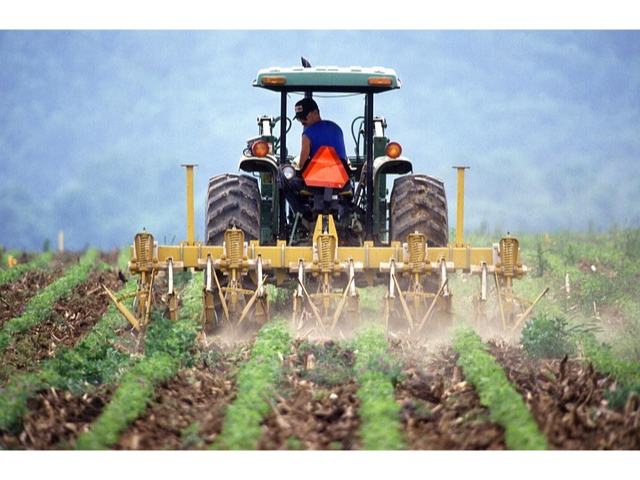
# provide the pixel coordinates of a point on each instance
(419, 204)
(232, 200)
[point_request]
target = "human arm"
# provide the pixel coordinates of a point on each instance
(305, 150)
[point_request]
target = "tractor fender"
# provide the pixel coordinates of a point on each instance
(387, 165)
(258, 164)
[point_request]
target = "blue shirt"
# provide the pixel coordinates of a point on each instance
(327, 133)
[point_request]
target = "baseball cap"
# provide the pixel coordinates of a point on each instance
(304, 106)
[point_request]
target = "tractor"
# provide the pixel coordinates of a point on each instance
(343, 231)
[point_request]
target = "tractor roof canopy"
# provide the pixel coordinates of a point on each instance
(328, 79)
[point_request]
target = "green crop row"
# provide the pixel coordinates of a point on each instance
(626, 373)
(12, 274)
(377, 372)
(506, 406)
(241, 428)
(95, 360)
(39, 306)
(168, 347)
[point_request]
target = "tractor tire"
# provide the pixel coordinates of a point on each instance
(232, 200)
(419, 204)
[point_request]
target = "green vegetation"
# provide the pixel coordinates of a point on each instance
(594, 283)
(377, 372)
(9, 275)
(505, 404)
(592, 312)
(241, 429)
(334, 362)
(129, 401)
(94, 361)
(39, 306)
(279, 298)
(372, 299)
(595, 311)
(547, 337)
(168, 347)
(627, 373)
(14, 398)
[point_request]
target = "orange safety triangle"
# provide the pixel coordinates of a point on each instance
(325, 169)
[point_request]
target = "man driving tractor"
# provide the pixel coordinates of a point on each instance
(317, 132)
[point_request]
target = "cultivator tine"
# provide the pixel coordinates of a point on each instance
(391, 294)
(433, 304)
(223, 300)
(343, 300)
(261, 312)
(251, 300)
(118, 303)
(417, 303)
(209, 314)
(530, 309)
(483, 282)
(314, 309)
(143, 306)
(500, 305)
(172, 296)
(506, 267)
(298, 292)
(405, 307)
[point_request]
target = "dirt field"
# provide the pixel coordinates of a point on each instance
(439, 409)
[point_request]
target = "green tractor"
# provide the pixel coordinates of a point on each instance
(255, 201)
(337, 231)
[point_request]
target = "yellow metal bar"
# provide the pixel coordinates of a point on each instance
(433, 304)
(287, 257)
(338, 311)
(405, 307)
(499, 293)
(252, 300)
(312, 305)
(530, 309)
(223, 301)
(460, 208)
(190, 215)
(127, 314)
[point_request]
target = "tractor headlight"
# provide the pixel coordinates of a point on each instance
(289, 172)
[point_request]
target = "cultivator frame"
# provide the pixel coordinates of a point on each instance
(326, 262)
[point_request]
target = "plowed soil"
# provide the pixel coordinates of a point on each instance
(439, 409)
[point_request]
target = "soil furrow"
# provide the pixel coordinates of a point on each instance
(567, 399)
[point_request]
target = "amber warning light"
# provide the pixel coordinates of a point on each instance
(380, 81)
(394, 150)
(274, 80)
(260, 149)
